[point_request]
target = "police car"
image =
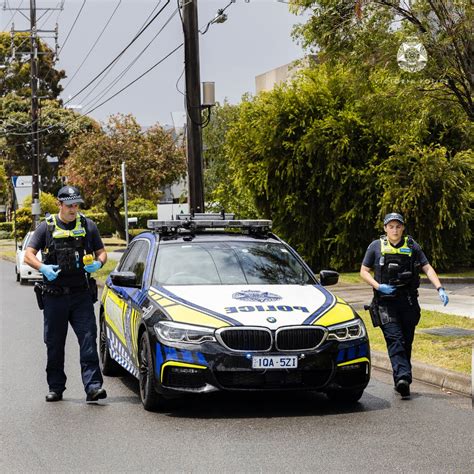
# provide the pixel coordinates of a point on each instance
(24, 273)
(208, 303)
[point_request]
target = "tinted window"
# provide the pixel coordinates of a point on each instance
(231, 263)
(135, 260)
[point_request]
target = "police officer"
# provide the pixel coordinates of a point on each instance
(68, 291)
(396, 260)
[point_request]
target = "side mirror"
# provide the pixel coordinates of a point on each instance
(328, 277)
(127, 279)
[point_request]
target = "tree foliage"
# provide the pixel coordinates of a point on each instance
(368, 33)
(15, 77)
(223, 192)
(152, 161)
(57, 127)
(322, 157)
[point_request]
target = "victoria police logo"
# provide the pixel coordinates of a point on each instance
(255, 295)
(271, 319)
(412, 55)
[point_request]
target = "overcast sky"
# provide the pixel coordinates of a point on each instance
(256, 38)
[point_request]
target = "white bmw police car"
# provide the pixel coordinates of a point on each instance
(210, 303)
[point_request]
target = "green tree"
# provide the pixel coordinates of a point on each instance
(152, 161)
(368, 33)
(313, 154)
(15, 76)
(57, 127)
(222, 191)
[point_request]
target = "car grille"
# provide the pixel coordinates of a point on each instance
(273, 379)
(294, 339)
(246, 339)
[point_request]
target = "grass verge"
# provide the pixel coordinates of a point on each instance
(453, 353)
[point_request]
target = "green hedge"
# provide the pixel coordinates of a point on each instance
(101, 219)
(6, 226)
(106, 227)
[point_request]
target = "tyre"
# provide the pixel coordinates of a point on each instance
(17, 274)
(23, 281)
(151, 400)
(345, 396)
(108, 365)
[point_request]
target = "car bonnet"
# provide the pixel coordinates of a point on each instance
(270, 306)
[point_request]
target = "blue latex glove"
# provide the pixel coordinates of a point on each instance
(51, 272)
(443, 296)
(386, 289)
(93, 267)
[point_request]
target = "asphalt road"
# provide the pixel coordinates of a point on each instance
(433, 432)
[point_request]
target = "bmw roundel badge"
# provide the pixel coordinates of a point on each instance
(271, 319)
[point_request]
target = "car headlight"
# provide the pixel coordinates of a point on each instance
(169, 331)
(354, 329)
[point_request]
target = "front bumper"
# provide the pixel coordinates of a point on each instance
(211, 367)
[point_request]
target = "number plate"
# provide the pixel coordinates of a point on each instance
(274, 362)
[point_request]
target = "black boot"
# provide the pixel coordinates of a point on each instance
(95, 395)
(54, 396)
(403, 388)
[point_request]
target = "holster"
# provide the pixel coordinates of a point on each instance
(374, 313)
(39, 294)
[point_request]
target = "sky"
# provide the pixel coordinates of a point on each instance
(255, 39)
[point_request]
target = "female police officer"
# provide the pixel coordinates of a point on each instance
(396, 260)
(67, 297)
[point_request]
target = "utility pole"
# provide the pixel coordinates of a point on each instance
(35, 115)
(193, 105)
(35, 141)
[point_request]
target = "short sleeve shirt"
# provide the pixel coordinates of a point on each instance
(93, 240)
(373, 254)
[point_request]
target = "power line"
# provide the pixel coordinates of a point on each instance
(122, 74)
(121, 53)
(112, 67)
(72, 27)
(13, 15)
(138, 78)
(94, 45)
(107, 100)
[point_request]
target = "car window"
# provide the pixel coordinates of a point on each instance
(230, 263)
(135, 260)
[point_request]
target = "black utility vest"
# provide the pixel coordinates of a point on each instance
(398, 266)
(66, 248)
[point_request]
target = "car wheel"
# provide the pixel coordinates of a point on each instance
(345, 396)
(109, 366)
(151, 400)
(23, 281)
(17, 274)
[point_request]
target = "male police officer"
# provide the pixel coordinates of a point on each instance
(68, 291)
(396, 260)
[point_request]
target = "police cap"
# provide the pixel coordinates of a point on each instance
(70, 195)
(393, 216)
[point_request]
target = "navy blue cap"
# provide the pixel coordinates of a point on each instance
(70, 195)
(393, 216)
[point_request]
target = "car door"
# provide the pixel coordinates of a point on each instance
(116, 303)
(136, 262)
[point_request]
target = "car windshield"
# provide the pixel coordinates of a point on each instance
(229, 263)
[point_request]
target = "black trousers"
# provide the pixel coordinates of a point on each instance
(78, 310)
(404, 314)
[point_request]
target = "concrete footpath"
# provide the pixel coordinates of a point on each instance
(461, 303)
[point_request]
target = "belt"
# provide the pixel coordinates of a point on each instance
(63, 290)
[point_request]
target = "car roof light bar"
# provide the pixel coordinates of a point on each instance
(201, 216)
(176, 226)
